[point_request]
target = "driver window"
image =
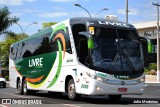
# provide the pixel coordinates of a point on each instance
(80, 42)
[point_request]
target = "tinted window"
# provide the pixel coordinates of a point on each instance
(52, 46)
(35, 46)
(77, 37)
(19, 51)
(13, 52)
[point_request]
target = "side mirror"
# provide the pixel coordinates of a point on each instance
(90, 43)
(147, 44)
(89, 38)
(147, 50)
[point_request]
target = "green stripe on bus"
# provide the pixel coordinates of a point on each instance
(58, 27)
(59, 66)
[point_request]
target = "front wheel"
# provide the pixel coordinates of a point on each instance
(72, 90)
(115, 97)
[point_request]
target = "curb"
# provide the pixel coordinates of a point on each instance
(152, 83)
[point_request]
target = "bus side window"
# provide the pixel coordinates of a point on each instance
(39, 47)
(34, 47)
(19, 51)
(80, 42)
(53, 46)
(50, 46)
(13, 52)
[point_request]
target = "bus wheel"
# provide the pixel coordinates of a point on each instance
(115, 97)
(72, 90)
(24, 87)
(19, 87)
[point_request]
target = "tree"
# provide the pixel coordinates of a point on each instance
(6, 21)
(48, 24)
(5, 47)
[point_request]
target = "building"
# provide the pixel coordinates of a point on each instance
(148, 30)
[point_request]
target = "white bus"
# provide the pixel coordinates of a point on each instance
(89, 56)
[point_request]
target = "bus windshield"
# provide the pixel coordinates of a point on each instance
(117, 50)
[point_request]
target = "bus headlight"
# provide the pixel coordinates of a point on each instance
(91, 75)
(99, 79)
(141, 80)
(95, 77)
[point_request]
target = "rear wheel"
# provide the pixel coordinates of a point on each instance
(72, 90)
(19, 87)
(25, 89)
(24, 86)
(115, 97)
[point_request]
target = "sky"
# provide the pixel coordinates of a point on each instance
(41, 11)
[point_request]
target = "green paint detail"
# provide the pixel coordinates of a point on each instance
(23, 68)
(58, 27)
(59, 66)
(85, 86)
(101, 75)
(39, 67)
(90, 43)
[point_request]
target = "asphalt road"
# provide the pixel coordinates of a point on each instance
(151, 98)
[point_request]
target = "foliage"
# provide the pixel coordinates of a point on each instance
(48, 24)
(5, 47)
(6, 21)
(7, 78)
(153, 66)
(151, 70)
(146, 70)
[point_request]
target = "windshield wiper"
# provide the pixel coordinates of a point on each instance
(128, 60)
(119, 54)
(115, 59)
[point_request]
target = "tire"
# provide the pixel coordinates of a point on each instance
(24, 87)
(25, 90)
(114, 97)
(19, 87)
(72, 95)
(4, 85)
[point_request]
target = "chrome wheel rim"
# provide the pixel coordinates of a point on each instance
(25, 87)
(19, 86)
(71, 90)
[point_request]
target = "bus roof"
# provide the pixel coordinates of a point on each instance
(101, 22)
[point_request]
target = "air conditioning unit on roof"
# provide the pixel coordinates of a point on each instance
(111, 17)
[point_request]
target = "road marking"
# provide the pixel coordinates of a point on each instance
(71, 105)
(3, 105)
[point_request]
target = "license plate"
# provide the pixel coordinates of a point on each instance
(122, 89)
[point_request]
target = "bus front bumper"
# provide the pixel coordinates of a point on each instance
(100, 88)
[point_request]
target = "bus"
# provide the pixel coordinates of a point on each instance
(80, 56)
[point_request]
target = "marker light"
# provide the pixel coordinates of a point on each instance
(91, 30)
